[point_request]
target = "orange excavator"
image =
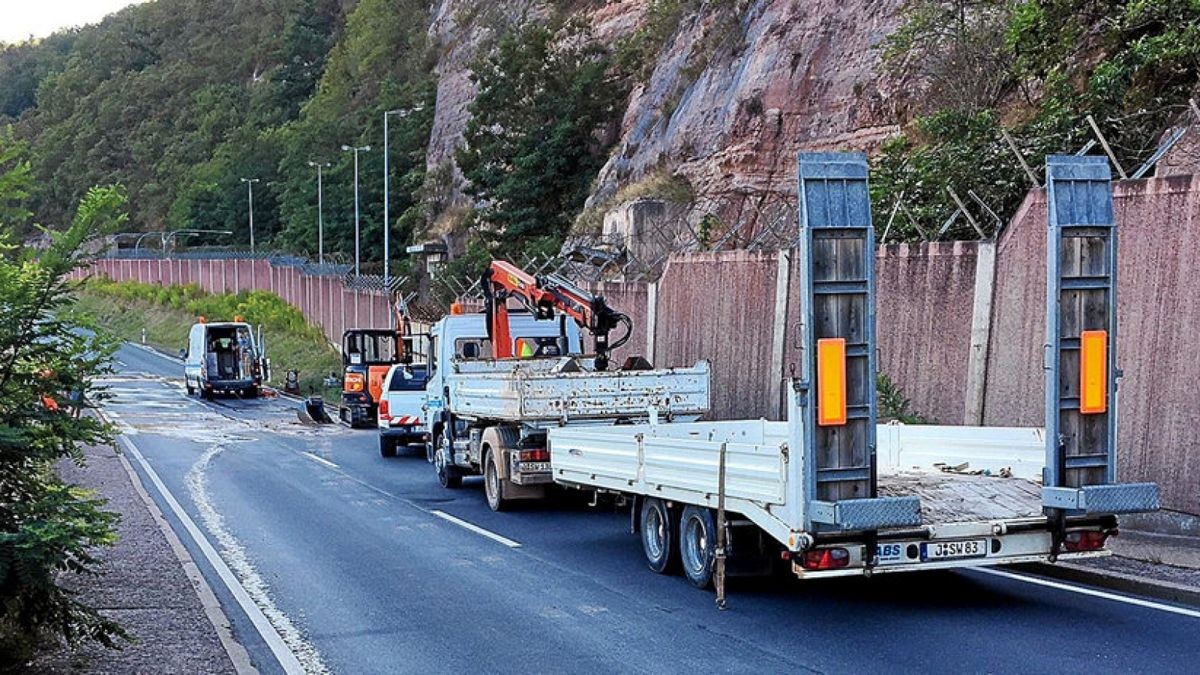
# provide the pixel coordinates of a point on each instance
(367, 355)
(545, 297)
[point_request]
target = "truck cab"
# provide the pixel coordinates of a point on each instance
(224, 357)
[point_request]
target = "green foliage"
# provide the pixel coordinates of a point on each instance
(16, 180)
(166, 313)
(175, 99)
(1132, 64)
(48, 528)
(892, 404)
(382, 63)
(539, 130)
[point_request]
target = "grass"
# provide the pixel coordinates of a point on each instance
(164, 315)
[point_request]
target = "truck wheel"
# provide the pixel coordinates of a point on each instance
(209, 394)
(493, 484)
(387, 446)
(448, 475)
(658, 536)
(697, 544)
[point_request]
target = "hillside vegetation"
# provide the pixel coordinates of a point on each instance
(179, 100)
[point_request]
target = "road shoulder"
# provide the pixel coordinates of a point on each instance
(150, 584)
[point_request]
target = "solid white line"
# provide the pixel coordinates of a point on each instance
(477, 529)
(1092, 592)
(287, 660)
(322, 460)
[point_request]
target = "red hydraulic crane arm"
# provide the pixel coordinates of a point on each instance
(546, 297)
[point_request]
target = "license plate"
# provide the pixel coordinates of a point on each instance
(949, 550)
(534, 467)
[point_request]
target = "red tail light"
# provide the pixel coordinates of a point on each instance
(539, 455)
(1085, 540)
(384, 411)
(825, 559)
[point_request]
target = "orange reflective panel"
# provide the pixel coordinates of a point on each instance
(831, 381)
(1093, 372)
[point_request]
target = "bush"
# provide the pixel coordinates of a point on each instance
(48, 528)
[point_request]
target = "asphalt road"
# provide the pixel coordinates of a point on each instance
(358, 564)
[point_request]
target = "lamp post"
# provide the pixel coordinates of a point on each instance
(250, 191)
(387, 223)
(320, 213)
(357, 230)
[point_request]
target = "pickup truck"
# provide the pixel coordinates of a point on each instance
(835, 494)
(401, 407)
(489, 416)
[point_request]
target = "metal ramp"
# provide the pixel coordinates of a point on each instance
(1081, 337)
(836, 388)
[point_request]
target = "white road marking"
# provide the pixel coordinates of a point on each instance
(239, 561)
(1129, 600)
(322, 460)
(477, 529)
(274, 641)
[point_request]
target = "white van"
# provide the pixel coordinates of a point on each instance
(224, 357)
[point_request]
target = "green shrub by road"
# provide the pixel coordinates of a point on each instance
(166, 314)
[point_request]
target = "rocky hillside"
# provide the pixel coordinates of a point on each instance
(518, 122)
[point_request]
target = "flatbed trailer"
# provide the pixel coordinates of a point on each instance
(836, 494)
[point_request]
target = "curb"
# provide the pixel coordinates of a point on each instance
(1115, 581)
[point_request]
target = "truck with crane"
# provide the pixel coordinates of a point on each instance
(498, 379)
(832, 493)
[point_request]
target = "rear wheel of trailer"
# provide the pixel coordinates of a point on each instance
(697, 544)
(658, 526)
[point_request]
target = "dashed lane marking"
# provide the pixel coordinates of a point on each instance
(320, 460)
(476, 529)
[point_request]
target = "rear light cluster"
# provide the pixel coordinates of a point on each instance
(539, 455)
(1085, 540)
(825, 559)
(385, 412)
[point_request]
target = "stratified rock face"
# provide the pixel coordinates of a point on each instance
(731, 100)
(800, 76)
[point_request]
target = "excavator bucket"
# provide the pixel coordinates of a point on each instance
(1081, 344)
(837, 373)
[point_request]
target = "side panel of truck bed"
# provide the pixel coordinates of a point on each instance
(533, 394)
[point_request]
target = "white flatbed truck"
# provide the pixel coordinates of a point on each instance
(489, 416)
(835, 494)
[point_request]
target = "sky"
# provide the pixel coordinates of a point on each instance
(20, 19)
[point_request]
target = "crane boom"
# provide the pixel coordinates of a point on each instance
(547, 297)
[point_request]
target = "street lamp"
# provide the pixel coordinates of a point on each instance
(250, 189)
(357, 230)
(387, 223)
(169, 236)
(320, 213)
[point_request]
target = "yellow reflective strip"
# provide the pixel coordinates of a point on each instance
(831, 381)
(1093, 372)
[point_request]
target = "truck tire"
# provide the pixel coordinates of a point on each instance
(493, 484)
(697, 544)
(387, 446)
(250, 392)
(447, 474)
(657, 527)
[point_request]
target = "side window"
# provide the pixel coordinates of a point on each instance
(472, 348)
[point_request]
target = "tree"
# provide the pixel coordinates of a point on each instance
(539, 132)
(48, 527)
